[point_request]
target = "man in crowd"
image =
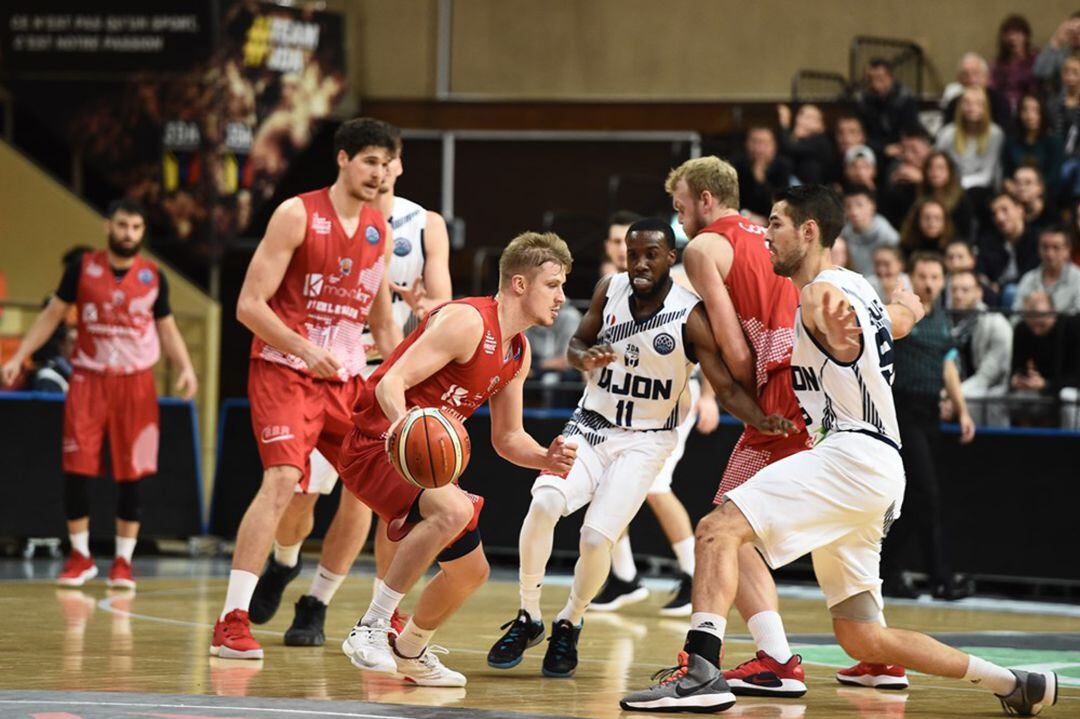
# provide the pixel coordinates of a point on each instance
(885, 107)
(761, 171)
(864, 229)
(1056, 275)
(1009, 248)
(983, 342)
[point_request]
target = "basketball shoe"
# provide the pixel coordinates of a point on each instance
(523, 633)
(616, 594)
(694, 685)
(78, 569)
(1034, 692)
(232, 638)
(120, 576)
(879, 676)
(426, 670)
(560, 659)
(679, 605)
(267, 597)
(307, 625)
(368, 647)
(763, 676)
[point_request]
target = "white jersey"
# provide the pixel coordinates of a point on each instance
(848, 397)
(645, 387)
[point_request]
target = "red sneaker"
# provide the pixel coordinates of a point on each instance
(398, 622)
(232, 638)
(763, 676)
(77, 570)
(879, 676)
(120, 576)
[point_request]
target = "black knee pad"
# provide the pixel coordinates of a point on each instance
(464, 544)
(76, 497)
(128, 506)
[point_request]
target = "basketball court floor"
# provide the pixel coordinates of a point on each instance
(91, 653)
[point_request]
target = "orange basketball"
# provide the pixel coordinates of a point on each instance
(429, 448)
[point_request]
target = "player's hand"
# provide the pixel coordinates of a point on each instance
(967, 428)
(909, 300)
(841, 325)
(414, 296)
(597, 356)
(187, 384)
(560, 456)
(322, 363)
(10, 371)
(776, 424)
(708, 415)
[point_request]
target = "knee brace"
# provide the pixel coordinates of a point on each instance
(128, 507)
(861, 607)
(548, 503)
(76, 498)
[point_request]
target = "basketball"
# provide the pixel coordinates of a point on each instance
(429, 448)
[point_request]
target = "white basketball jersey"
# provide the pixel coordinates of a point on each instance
(855, 397)
(646, 386)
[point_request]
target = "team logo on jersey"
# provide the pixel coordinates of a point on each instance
(89, 312)
(455, 395)
(321, 225)
(118, 297)
(371, 235)
(146, 276)
(313, 284)
(95, 270)
(345, 265)
(489, 343)
(402, 246)
(664, 343)
(632, 356)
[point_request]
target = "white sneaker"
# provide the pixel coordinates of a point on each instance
(427, 671)
(368, 647)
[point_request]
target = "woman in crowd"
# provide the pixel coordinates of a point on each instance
(941, 182)
(973, 141)
(927, 227)
(1033, 143)
(1012, 74)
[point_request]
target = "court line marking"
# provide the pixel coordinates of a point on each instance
(227, 707)
(105, 605)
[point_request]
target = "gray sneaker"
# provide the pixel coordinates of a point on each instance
(1034, 692)
(694, 685)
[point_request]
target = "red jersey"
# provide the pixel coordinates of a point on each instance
(456, 388)
(329, 286)
(117, 331)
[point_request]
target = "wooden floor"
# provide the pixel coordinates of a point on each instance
(155, 641)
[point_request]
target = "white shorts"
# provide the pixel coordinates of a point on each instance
(323, 475)
(662, 483)
(836, 501)
(612, 475)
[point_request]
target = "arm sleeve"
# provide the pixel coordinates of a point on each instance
(69, 283)
(161, 304)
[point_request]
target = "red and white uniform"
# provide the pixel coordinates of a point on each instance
(112, 388)
(765, 304)
(457, 388)
(325, 295)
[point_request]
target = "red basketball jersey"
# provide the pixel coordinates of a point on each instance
(117, 332)
(329, 286)
(456, 388)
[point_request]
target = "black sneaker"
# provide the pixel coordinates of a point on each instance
(267, 597)
(306, 629)
(1034, 692)
(679, 605)
(560, 660)
(523, 633)
(616, 594)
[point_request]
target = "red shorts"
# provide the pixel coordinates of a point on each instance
(367, 473)
(293, 413)
(748, 458)
(123, 406)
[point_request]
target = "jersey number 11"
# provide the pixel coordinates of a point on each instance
(624, 410)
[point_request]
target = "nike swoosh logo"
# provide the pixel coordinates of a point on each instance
(764, 680)
(282, 438)
(687, 691)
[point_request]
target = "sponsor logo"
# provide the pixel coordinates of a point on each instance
(276, 433)
(764, 679)
(664, 343)
(682, 691)
(89, 313)
(752, 229)
(493, 384)
(371, 235)
(345, 265)
(455, 395)
(95, 270)
(118, 297)
(313, 284)
(489, 343)
(632, 356)
(321, 225)
(635, 385)
(146, 275)
(402, 246)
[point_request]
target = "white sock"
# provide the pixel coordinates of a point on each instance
(287, 555)
(80, 542)
(413, 640)
(767, 628)
(125, 547)
(589, 574)
(375, 584)
(684, 552)
(996, 679)
(241, 587)
(325, 584)
(710, 623)
(622, 560)
(534, 546)
(383, 603)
